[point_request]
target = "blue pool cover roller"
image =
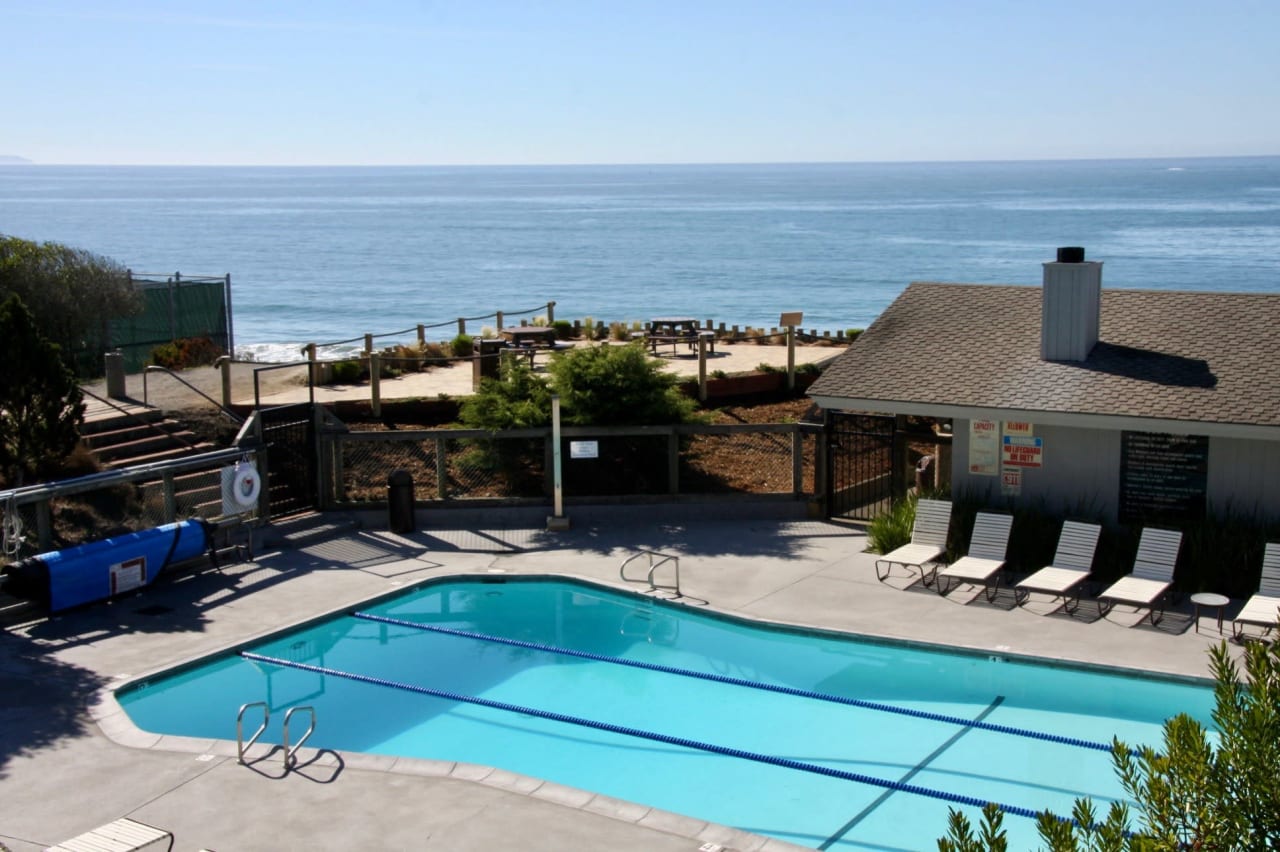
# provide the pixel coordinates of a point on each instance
(61, 579)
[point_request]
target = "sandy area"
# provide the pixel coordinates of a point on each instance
(277, 385)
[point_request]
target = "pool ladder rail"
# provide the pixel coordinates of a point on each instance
(290, 753)
(656, 560)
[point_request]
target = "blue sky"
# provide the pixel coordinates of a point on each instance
(630, 81)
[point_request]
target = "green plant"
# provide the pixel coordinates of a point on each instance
(40, 403)
(186, 352)
(892, 529)
(564, 329)
(517, 399)
(719, 374)
(619, 331)
(346, 372)
(762, 367)
(605, 385)
(1199, 793)
(809, 368)
(462, 346)
(851, 334)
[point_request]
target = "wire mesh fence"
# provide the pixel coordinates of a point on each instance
(457, 465)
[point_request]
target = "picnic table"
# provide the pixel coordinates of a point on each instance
(677, 330)
(530, 335)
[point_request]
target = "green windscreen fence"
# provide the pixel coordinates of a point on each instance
(173, 309)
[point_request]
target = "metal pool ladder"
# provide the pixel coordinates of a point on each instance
(656, 560)
(290, 753)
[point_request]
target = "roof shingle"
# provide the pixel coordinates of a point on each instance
(1195, 356)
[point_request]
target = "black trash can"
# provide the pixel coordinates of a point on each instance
(400, 501)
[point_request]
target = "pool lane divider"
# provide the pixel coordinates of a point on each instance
(639, 733)
(750, 684)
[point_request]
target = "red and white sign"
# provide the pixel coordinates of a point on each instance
(1022, 452)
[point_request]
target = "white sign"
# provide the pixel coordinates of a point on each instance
(1023, 452)
(984, 447)
(584, 449)
(1019, 428)
(128, 575)
(1011, 481)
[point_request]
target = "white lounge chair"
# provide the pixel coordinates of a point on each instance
(1262, 609)
(1151, 580)
(1070, 567)
(123, 835)
(987, 548)
(928, 540)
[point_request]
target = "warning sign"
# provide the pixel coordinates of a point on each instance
(1022, 452)
(1011, 481)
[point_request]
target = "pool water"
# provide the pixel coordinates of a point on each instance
(867, 745)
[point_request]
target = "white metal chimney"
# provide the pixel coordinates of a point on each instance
(1070, 306)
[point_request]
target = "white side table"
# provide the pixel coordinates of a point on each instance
(1209, 599)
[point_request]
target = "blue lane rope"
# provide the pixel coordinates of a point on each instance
(784, 762)
(751, 684)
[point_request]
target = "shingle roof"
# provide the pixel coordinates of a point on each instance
(1196, 356)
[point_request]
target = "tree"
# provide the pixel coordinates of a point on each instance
(518, 399)
(71, 293)
(617, 385)
(1195, 794)
(40, 403)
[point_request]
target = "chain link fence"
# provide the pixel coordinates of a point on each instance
(449, 465)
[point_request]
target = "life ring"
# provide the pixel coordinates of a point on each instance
(246, 485)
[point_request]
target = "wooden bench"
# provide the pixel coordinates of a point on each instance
(123, 835)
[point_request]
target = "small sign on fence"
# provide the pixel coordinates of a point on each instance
(791, 318)
(584, 449)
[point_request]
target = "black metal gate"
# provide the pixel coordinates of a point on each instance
(289, 434)
(860, 453)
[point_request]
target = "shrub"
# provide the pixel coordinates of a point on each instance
(462, 346)
(809, 368)
(187, 352)
(589, 328)
(719, 374)
(891, 530)
(346, 372)
(607, 385)
(564, 329)
(852, 334)
(767, 368)
(619, 331)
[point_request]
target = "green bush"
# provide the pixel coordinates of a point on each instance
(767, 368)
(462, 346)
(346, 372)
(564, 329)
(617, 385)
(891, 530)
(517, 399)
(852, 334)
(187, 352)
(809, 368)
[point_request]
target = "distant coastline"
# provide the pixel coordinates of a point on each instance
(14, 160)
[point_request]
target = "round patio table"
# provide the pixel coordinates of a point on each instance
(1209, 599)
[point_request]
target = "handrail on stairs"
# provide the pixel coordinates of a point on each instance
(133, 416)
(155, 368)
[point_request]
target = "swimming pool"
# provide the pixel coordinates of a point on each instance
(855, 744)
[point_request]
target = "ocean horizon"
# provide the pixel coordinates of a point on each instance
(317, 254)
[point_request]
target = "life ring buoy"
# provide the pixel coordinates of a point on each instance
(246, 485)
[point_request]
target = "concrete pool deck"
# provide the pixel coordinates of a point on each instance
(67, 765)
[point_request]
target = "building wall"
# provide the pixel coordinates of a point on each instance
(1080, 475)
(1244, 478)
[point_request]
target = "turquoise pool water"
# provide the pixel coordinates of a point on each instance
(858, 745)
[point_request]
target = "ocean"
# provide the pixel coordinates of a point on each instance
(325, 254)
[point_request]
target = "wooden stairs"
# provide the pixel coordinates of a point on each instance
(132, 434)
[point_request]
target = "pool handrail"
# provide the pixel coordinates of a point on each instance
(653, 566)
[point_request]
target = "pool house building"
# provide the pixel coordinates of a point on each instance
(1125, 405)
